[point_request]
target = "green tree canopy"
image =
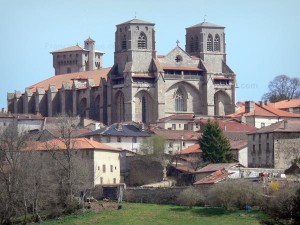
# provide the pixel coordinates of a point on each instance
(214, 144)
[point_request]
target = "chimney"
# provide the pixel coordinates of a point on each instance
(142, 126)
(266, 102)
(261, 103)
(119, 127)
(249, 106)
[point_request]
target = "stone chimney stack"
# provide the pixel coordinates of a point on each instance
(249, 106)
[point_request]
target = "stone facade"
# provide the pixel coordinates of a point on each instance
(141, 86)
(274, 148)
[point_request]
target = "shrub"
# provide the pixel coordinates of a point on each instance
(190, 197)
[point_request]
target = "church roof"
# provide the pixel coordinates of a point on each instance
(137, 21)
(70, 49)
(89, 39)
(58, 80)
(207, 24)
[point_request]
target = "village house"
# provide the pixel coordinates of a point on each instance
(275, 146)
(261, 114)
(123, 136)
(100, 162)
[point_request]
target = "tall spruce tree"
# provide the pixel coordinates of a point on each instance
(214, 144)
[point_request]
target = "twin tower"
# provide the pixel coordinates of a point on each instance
(142, 85)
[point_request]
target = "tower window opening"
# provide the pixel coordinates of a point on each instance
(217, 43)
(124, 42)
(144, 115)
(209, 43)
(192, 45)
(142, 41)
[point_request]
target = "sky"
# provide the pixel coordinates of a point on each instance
(262, 36)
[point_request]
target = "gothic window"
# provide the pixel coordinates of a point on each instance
(142, 41)
(120, 107)
(217, 43)
(144, 112)
(192, 44)
(210, 43)
(196, 44)
(180, 101)
(124, 42)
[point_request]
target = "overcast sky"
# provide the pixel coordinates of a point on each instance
(262, 36)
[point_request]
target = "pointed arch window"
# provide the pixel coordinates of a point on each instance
(180, 101)
(120, 107)
(142, 41)
(124, 42)
(192, 45)
(210, 43)
(144, 110)
(217, 43)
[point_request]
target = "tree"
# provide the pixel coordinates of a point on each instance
(281, 88)
(190, 197)
(214, 144)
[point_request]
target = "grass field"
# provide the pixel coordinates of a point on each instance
(132, 213)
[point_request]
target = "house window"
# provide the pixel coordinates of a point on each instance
(115, 180)
(108, 139)
(185, 127)
(268, 147)
(197, 125)
(87, 153)
(134, 140)
(98, 168)
(209, 43)
(103, 168)
(101, 180)
(259, 137)
(142, 41)
(124, 42)
(111, 168)
(253, 148)
(259, 148)
(179, 125)
(217, 43)
(267, 135)
(119, 139)
(183, 144)
(253, 137)
(173, 126)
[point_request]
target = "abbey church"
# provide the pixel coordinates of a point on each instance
(142, 85)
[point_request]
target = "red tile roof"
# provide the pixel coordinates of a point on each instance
(76, 144)
(264, 111)
(285, 104)
(58, 80)
(217, 166)
(231, 125)
(176, 134)
(213, 178)
(195, 148)
(70, 49)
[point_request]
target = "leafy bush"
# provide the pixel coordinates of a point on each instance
(190, 197)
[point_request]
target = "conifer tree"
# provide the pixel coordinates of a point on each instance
(214, 144)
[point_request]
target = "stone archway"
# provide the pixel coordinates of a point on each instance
(222, 103)
(82, 107)
(144, 108)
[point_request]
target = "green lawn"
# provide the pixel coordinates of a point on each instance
(133, 213)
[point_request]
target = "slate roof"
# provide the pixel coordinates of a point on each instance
(69, 78)
(207, 24)
(128, 130)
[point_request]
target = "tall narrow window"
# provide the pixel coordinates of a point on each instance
(180, 101)
(196, 44)
(124, 42)
(144, 112)
(120, 107)
(217, 43)
(192, 45)
(142, 41)
(209, 43)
